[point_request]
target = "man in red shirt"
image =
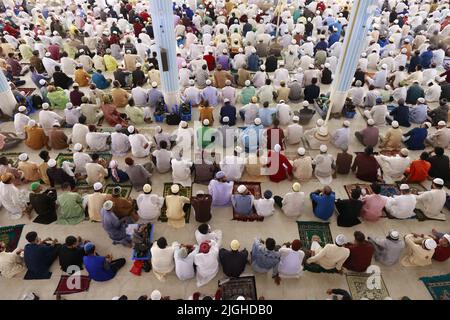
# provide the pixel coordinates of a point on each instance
(418, 170)
(210, 60)
(361, 253)
(442, 251)
(366, 166)
(279, 167)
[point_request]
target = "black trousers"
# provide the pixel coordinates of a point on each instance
(278, 201)
(117, 264)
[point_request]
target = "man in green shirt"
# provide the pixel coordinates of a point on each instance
(206, 135)
(70, 206)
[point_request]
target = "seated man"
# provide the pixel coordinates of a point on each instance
(388, 250)
(419, 250)
(115, 227)
(264, 257)
(175, 204)
(11, 263)
(431, 203)
(202, 206)
(204, 233)
(163, 261)
(402, 206)
(418, 170)
(291, 261)
(442, 251)
(243, 202)
(373, 204)
(207, 262)
(293, 202)
(332, 256)
(265, 207)
(361, 252)
(58, 175)
(394, 167)
(71, 255)
(149, 205)
(43, 202)
(70, 205)
(221, 190)
(39, 256)
(233, 261)
(184, 261)
(123, 207)
(323, 202)
(100, 268)
(349, 209)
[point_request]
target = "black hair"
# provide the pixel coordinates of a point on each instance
(31, 236)
(439, 151)
(424, 156)
(43, 155)
(203, 228)
(70, 240)
(162, 243)
(163, 144)
(376, 188)
(270, 244)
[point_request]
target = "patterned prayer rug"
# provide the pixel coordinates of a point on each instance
(389, 189)
(68, 285)
(184, 191)
(125, 189)
(438, 286)
(243, 286)
(10, 235)
(13, 157)
(414, 187)
(366, 285)
(363, 186)
(255, 189)
(69, 157)
(84, 189)
(307, 229)
(28, 91)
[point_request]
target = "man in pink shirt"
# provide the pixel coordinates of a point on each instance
(373, 204)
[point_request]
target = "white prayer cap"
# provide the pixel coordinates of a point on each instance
(155, 295)
(48, 54)
(175, 188)
(311, 66)
(370, 122)
(406, 41)
(191, 82)
(438, 181)
(98, 186)
(45, 106)
(184, 64)
(158, 129)
(225, 119)
(131, 129)
(69, 105)
(295, 118)
(263, 68)
(320, 122)
(442, 123)
(77, 147)
(323, 148)
(428, 124)
(51, 163)
(421, 100)
(75, 84)
(224, 51)
(257, 121)
(154, 84)
(430, 244)
(387, 87)
(326, 65)
(147, 188)
(183, 124)
(240, 298)
(241, 188)
(394, 124)
(277, 148)
(23, 157)
(81, 50)
(281, 63)
(404, 186)
(252, 51)
(358, 83)
(42, 82)
(384, 66)
(363, 54)
(404, 152)
(138, 65)
(208, 82)
(226, 100)
(108, 205)
(240, 50)
(238, 149)
(404, 50)
(346, 123)
(293, 41)
(393, 234)
(305, 103)
(22, 109)
(205, 122)
(31, 123)
(301, 151)
(340, 240)
(282, 101)
(247, 83)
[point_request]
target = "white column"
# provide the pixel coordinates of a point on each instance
(163, 27)
(7, 101)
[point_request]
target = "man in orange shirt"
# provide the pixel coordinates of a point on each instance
(418, 170)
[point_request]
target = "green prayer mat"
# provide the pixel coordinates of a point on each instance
(184, 191)
(10, 235)
(307, 229)
(125, 190)
(438, 286)
(69, 157)
(13, 158)
(85, 189)
(359, 283)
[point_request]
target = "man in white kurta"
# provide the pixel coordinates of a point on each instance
(432, 202)
(80, 159)
(120, 144)
(98, 141)
(233, 166)
(13, 200)
(332, 256)
(181, 172)
(394, 167)
(48, 118)
(402, 206)
(324, 164)
(294, 131)
(207, 262)
(140, 145)
(184, 262)
(162, 258)
(149, 205)
(293, 202)
(20, 121)
(11, 263)
(341, 136)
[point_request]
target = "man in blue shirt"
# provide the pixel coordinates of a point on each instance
(265, 258)
(228, 110)
(401, 114)
(266, 114)
(418, 113)
(100, 81)
(416, 137)
(242, 202)
(323, 203)
(252, 135)
(100, 268)
(39, 256)
(334, 37)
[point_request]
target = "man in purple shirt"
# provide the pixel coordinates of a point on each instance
(210, 94)
(369, 136)
(16, 68)
(224, 60)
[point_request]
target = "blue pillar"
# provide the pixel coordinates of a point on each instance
(8, 102)
(355, 36)
(164, 30)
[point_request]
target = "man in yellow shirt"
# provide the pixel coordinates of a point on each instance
(81, 76)
(419, 250)
(175, 203)
(119, 95)
(110, 62)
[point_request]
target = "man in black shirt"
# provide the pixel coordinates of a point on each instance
(138, 76)
(71, 255)
(44, 203)
(233, 261)
(312, 91)
(60, 79)
(440, 165)
(121, 76)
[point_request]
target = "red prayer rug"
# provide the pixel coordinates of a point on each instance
(255, 189)
(72, 284)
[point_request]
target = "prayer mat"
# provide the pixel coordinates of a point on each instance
(414, 187)
(106, 129)
(184, 191)
(358, 284)
(438, 286)
(315, 268)
(84, 189)
(363, 186)
(81, 283)
(28, 91)
(255, 189)
(125, 189)
(69, 157)
(390, 153)
(307, 229)
(13, 158)
(389, 189)
(243, 286)
(10, 235)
